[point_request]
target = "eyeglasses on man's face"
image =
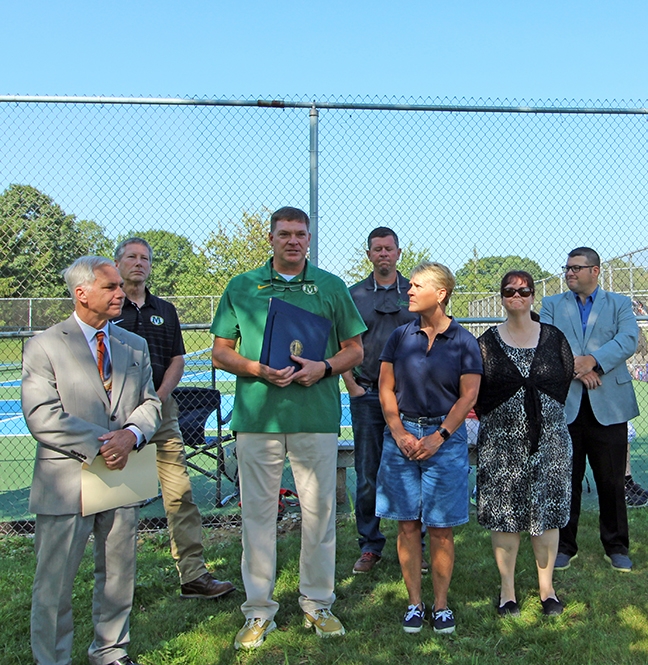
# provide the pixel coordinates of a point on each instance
(575, 269)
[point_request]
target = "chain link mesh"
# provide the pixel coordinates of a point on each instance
(481, 188)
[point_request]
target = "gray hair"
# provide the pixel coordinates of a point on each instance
(82, 272)
(120, 250)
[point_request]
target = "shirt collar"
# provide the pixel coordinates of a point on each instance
(304, 276)
(450, 331)
(590, 298)
(373, 286)
(88, 331)
(148, 301)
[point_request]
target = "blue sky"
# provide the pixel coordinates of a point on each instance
(568, 52)
(465, 49)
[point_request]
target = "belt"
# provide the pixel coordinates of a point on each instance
(367, 385)
(422, 420)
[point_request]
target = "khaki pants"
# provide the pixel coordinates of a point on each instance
(183, 517)
(313, 458)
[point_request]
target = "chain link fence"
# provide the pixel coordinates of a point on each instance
(480, 186)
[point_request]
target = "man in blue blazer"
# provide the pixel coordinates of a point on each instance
(602, 331)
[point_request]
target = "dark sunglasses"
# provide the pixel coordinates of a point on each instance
(524, 291)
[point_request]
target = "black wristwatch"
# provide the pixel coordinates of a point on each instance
(445, 435)
(328, 370)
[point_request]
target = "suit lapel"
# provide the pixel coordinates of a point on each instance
(574, 315)
(597, 308)
(119, 358)
(75, 341)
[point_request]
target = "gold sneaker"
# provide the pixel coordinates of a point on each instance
(325, 622)
(253, 633)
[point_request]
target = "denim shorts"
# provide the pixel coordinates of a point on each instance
(434, 491)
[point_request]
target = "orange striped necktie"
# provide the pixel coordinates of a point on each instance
(103, 362)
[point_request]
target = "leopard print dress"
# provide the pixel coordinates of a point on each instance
(517, 491)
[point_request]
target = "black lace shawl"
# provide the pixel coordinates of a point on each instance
(551, 373)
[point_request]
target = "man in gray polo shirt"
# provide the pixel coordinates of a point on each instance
(383, 302)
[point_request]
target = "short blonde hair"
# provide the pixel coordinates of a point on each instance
(437, 274)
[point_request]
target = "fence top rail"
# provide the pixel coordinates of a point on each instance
(25, 333)
(285, 104)
(18, 334)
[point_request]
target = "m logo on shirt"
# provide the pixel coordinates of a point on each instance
(157, 320)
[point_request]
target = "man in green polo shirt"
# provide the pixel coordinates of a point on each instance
(279, 412)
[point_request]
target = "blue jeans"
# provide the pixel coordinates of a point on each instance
(368, 431)
(434, 491)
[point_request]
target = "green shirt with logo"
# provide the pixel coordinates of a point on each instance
(263, 407)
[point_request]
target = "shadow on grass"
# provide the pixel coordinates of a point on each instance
(605, 621)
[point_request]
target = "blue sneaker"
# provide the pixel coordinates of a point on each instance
(413, 619)
(444, 621)
(619, 562)
(563, 561)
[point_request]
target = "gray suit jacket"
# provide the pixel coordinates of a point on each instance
(66, 407)
(611, 336)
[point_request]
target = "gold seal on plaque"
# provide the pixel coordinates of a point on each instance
(296, 348)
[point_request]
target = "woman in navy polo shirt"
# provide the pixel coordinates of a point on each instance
(429, 380)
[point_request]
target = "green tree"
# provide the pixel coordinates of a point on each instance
(485, 274)
(38, 240)
(236, 249)
(624, 274)
(410, 258)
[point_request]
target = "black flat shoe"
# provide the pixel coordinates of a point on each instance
(509, 609)
(551, 607)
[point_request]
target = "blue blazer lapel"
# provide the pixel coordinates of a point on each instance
(76, 342)
(597, 308)
(574, 315)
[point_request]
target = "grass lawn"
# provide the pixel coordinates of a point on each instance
(605, 621)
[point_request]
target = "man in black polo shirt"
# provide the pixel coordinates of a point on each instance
(383, 302)
(156, 320)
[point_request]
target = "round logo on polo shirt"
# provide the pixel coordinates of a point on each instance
(310, 289)
(157, 320)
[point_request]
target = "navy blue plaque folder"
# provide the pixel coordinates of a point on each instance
(291, 330)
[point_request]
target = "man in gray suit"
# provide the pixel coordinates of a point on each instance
(76, 413)
(602, 332)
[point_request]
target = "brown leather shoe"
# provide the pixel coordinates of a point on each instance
(365, 563)
(206, 586)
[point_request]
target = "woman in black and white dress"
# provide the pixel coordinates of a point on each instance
(524, 448)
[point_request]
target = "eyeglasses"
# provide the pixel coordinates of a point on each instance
(575, 269)
(281, 286)
(523, 291)
(287, 286)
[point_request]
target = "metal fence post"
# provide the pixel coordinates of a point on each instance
(314, 212)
